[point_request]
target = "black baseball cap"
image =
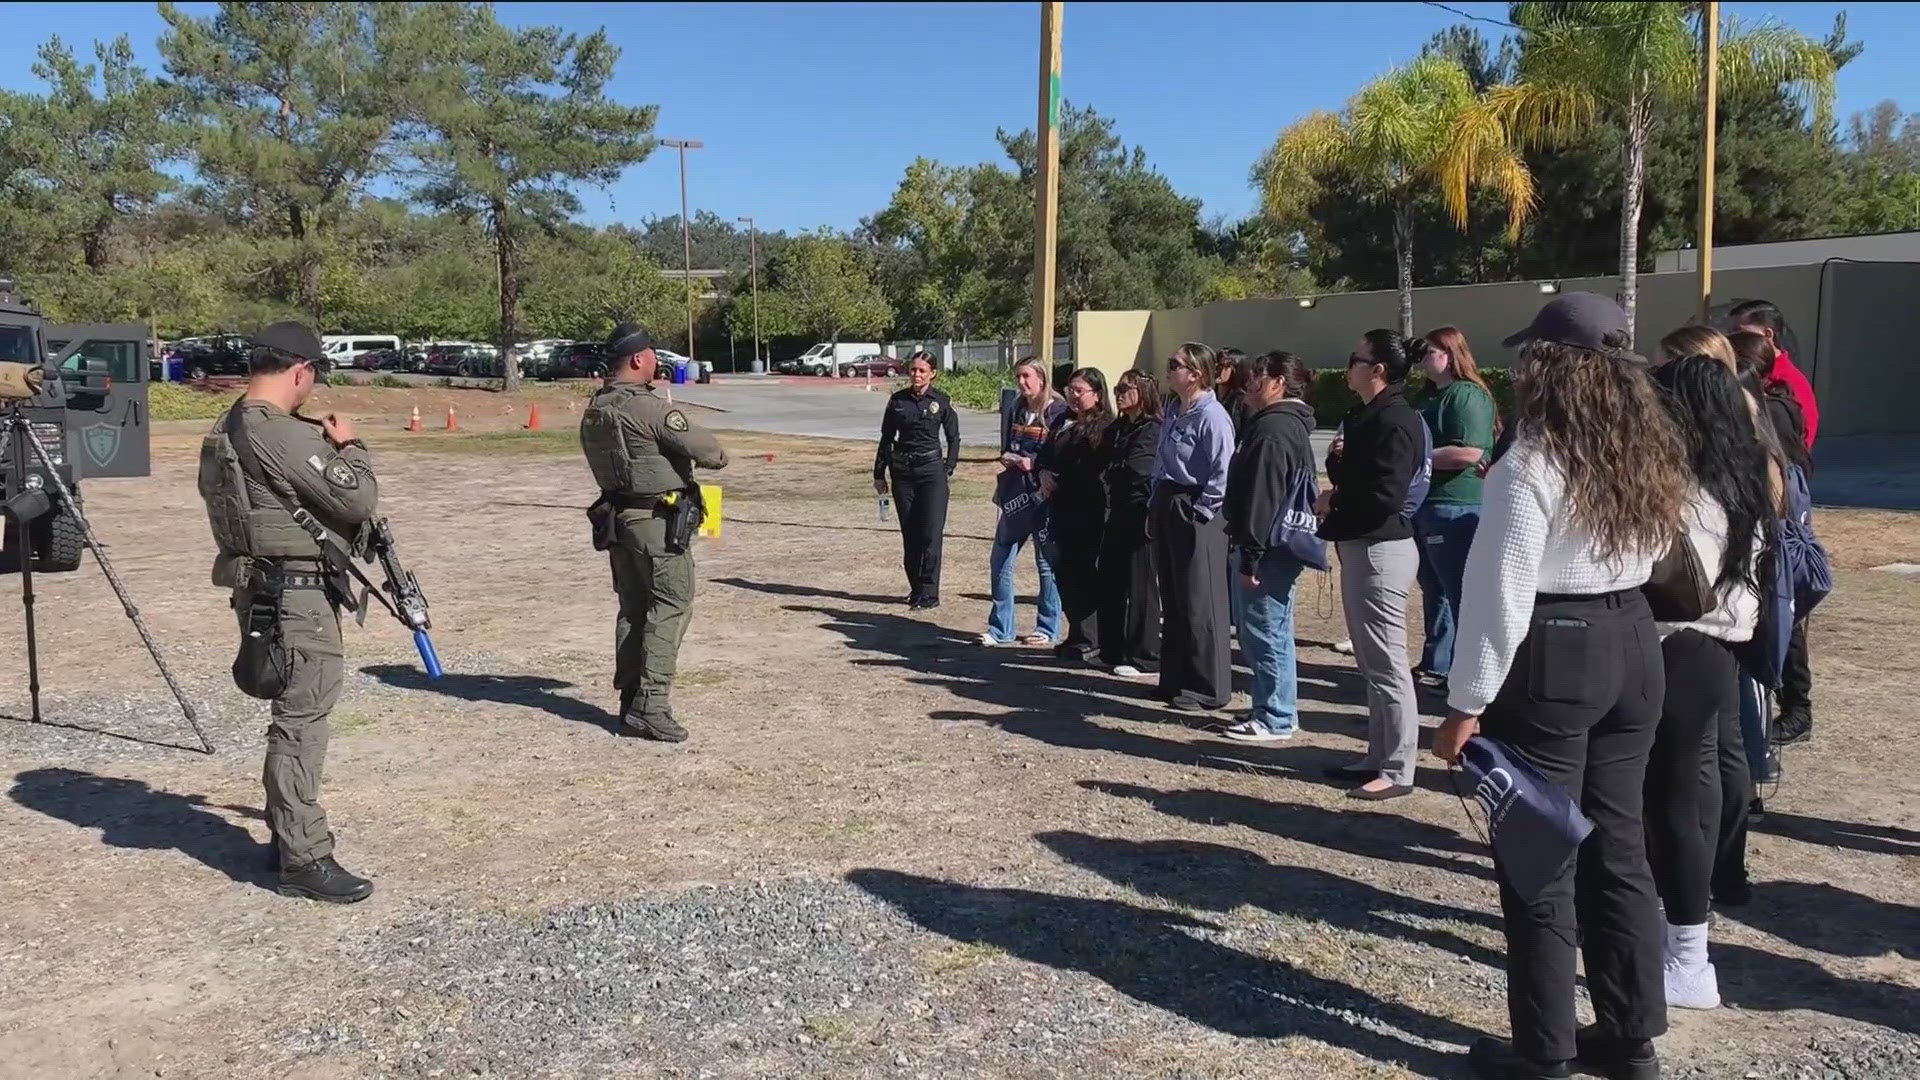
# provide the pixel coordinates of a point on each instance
(1582, 320)
(628, 338)
(294, 339)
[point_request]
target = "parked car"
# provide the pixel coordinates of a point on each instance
(225, 354)
(879, 365)
(464, 359)
(344, 349)
(580, 360)
(383, 360)
(829, 358)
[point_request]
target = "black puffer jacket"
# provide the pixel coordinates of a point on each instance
(1275, 448)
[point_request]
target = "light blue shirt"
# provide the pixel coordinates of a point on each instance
(1196, 446)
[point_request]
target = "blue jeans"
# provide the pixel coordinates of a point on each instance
(1000, 622)
(1445, 534)
(1265, 618)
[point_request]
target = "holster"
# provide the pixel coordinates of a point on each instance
(602, 516)
(263, 667)
(684, 518)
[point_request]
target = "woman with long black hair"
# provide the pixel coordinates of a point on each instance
(1190, 536)
(1129, 624)
(1730, 512)
(910, 453)
(1072, 477)
(1558, 658)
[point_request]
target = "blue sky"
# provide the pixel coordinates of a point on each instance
(811, 111)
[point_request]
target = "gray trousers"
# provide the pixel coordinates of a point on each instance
(1375, 578)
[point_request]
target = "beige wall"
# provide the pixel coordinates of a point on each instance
(1845, 318)
(1113, 341)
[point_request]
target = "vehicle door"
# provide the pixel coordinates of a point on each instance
(103, 376)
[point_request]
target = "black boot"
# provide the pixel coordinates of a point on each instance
(626, 700)
(1793, 725)
(1615, 1058)
(1496, 1059)
(661, 727)
(326, 881)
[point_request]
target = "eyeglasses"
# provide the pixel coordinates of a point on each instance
(1180, 365)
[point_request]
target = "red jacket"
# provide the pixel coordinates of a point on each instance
(1795, 380)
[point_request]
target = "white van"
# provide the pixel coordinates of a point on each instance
(828, 358)
(342, 348)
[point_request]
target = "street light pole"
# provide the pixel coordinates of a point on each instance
(1710, 108)
(686, 233)
(753, 259)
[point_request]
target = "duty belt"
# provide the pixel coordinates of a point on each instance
(915, 457)
(623, 501)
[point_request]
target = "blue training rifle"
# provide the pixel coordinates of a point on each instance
(401, 594)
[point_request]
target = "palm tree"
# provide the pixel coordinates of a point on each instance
(1392, 139)
(1580, 62)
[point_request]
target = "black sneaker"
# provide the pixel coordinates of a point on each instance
(1496, 1059)
(662, 728)
(1613, 1057)
(1792, 726)
(326, 881)
(1184, 702)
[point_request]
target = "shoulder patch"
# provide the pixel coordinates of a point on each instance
(677, 420)
(341, 475)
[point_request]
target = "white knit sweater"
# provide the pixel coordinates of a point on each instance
(1738, 609)
(1527, 544)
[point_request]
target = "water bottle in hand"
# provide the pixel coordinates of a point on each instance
(882, 505)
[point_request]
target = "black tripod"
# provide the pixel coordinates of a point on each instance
(25, 502)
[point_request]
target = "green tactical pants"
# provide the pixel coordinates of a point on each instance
(656, 604)
(297, 736)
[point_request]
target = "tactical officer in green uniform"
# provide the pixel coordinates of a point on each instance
(643, 451)
(259, 461)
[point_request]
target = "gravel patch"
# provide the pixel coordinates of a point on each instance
(887, 974)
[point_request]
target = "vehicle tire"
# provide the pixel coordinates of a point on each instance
(59, 548)
(57, 543)
(196, 372)
(462, 369)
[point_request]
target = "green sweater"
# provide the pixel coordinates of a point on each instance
(1460, 415)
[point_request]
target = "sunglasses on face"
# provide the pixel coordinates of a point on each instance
(1179, 365)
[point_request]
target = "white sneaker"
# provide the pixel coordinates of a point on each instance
(1691, 982)
(1344, 646)
(1248, 731)
(1128, 671)
(992, 642)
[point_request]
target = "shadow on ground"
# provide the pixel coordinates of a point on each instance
(1216, 877)
(1387, 837)
(1169, 960)
(129, 814)
(1873, 839)
(531, 691)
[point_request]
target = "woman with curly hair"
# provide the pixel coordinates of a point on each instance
(1558, 658)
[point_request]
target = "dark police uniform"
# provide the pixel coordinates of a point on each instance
(642, 450)
(910, 451)
(255, 533)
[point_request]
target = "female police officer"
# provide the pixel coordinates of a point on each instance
(910, 435)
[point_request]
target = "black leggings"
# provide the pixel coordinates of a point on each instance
(1683, 773)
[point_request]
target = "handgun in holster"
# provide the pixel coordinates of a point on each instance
(603, 517)
(686, 509)
(263, 667)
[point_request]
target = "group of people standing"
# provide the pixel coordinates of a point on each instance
(1161, 525)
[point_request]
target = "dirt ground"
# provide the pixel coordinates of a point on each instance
(884, 852)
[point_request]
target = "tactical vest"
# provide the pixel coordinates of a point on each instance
(245, 524)
(623, 451)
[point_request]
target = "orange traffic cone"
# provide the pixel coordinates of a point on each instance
(414, 424)
(452, 424)
(533, 417)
